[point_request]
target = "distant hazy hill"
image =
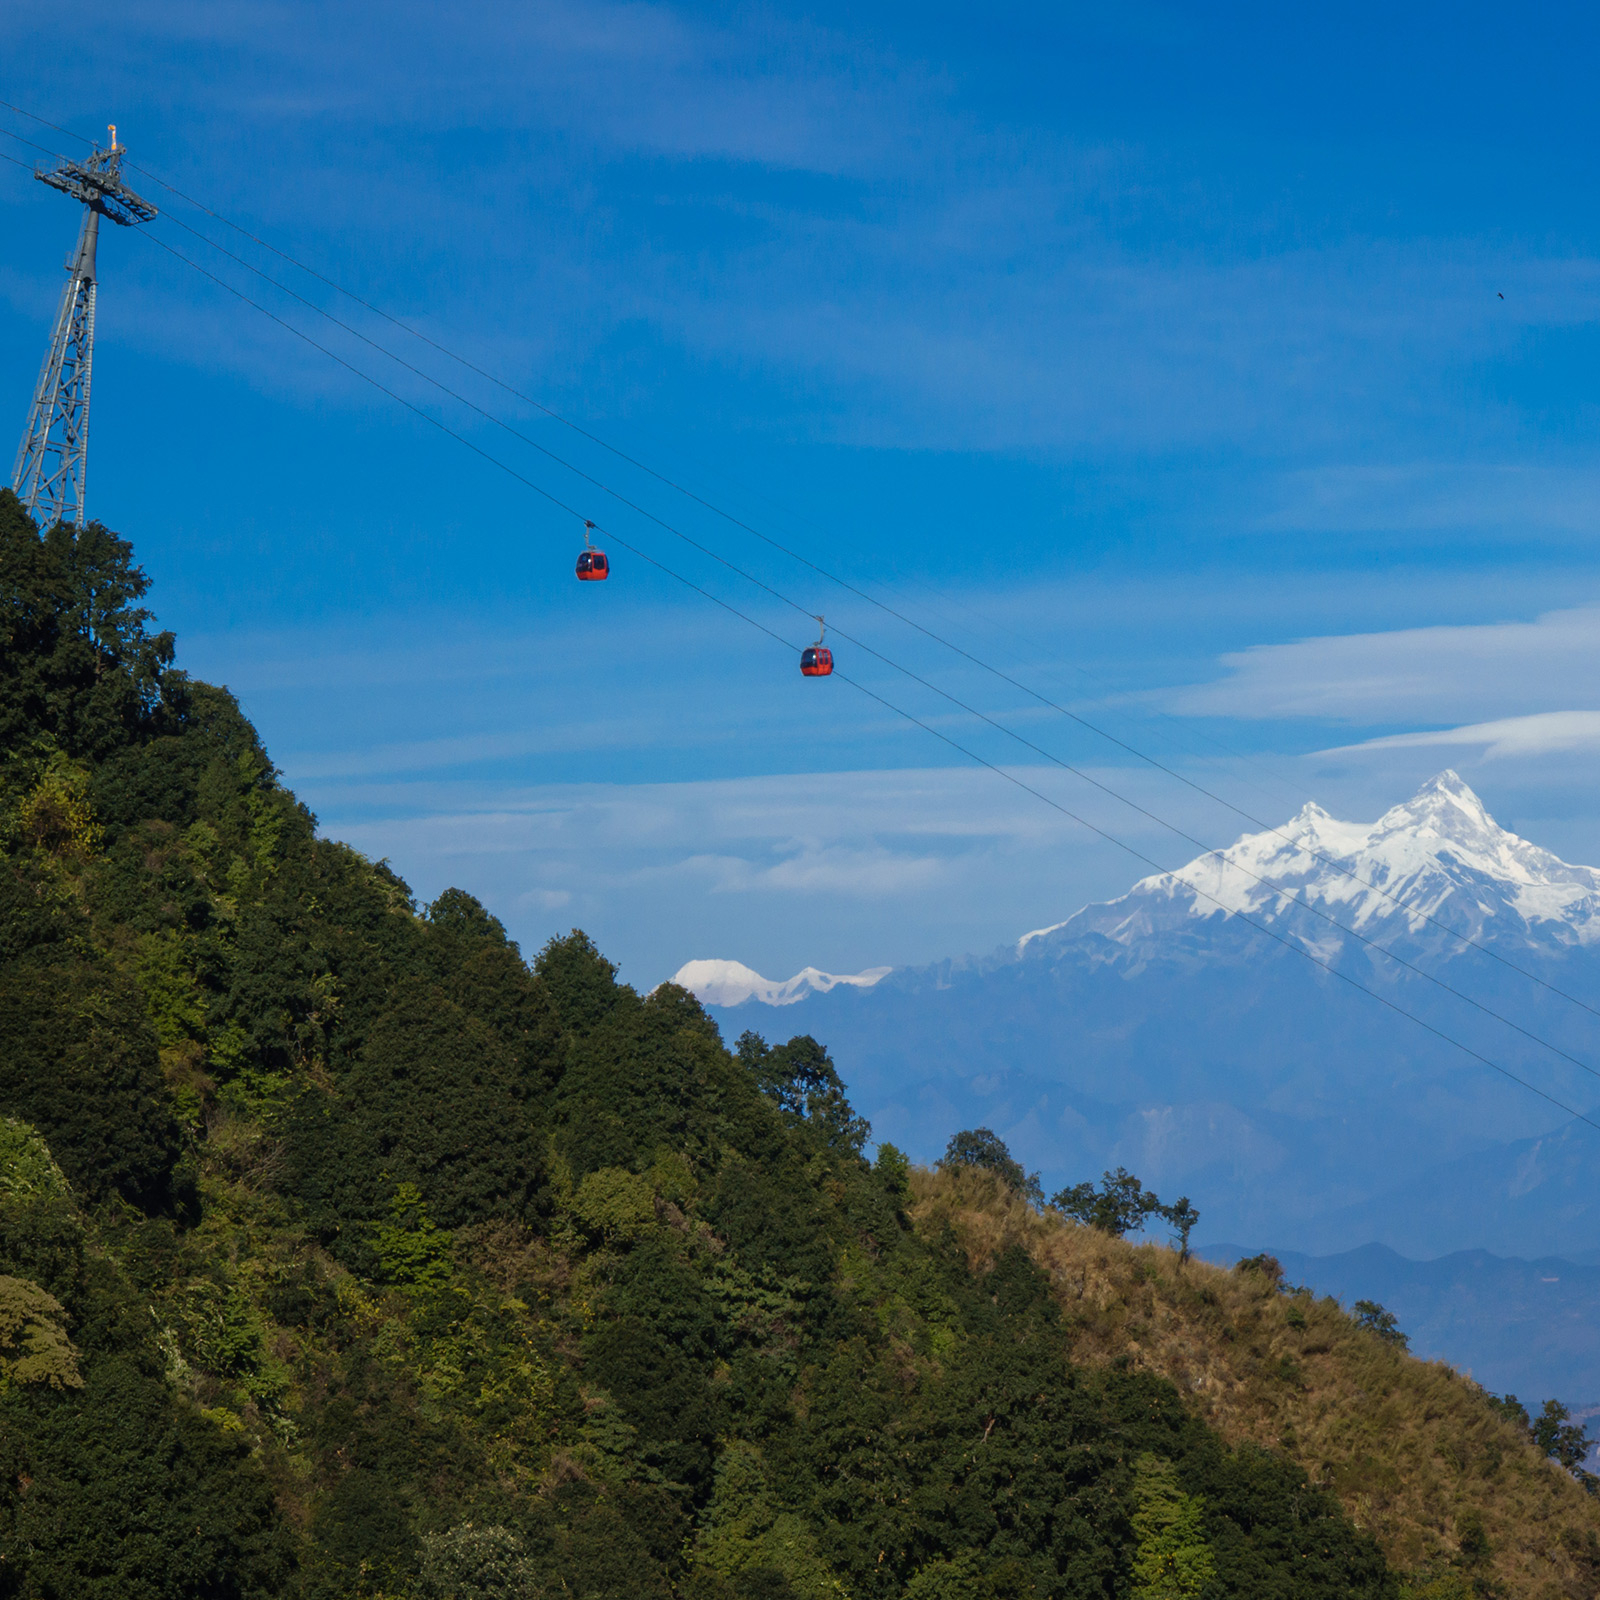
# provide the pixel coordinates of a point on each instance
(1164, 1031)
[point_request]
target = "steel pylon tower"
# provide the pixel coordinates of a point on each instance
(52, 470)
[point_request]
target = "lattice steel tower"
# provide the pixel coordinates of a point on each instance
(52, 468)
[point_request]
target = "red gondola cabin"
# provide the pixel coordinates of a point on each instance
(816, 660)
(592, 564)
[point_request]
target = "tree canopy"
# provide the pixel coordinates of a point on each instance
(984, 1149)
(78, 663)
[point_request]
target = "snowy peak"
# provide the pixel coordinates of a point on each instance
(1445, 827)
(1447, 814)
(1438, 857)
(1448, 788)
(731, 983)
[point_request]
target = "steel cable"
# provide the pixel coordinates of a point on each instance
(889, 705)
(969, 710)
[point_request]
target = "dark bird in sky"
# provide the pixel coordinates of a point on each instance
(1498, 295)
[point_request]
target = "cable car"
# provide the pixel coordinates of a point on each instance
(592, 564)
(816, 660)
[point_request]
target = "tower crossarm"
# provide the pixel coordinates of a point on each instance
(97, 182)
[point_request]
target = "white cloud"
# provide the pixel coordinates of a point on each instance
(1412, 674)
(1544, 733)
(818, 868)
(635, 76)
(838, 870)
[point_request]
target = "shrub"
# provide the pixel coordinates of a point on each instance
(1265, 1266)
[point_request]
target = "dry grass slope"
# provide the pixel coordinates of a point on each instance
(1412, 1448)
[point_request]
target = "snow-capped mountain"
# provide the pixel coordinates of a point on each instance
(1178, 1030)
(1435, 867)
(731, 983)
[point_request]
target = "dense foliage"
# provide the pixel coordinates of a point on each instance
(344, 1253)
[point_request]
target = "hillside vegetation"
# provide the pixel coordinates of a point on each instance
(345, 1253)
(1413, 1450)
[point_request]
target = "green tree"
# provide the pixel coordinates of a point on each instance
(1172, 1560)
(893, 1166)
(1182, 1216)
(131, 1494)
(78, 664)
(411, 1251)
(1511, 1408)
(1371, 1316)
(435, 1099)
(581, 982)
(472, 1562)
(79, 1061)
(33, 1346)
(1564, 1441)
(42, 1236)
(746, 1530)
(985, 1149)
(800, 1076)
(615, 1204)
(959, 1577)
(1119, 1206)
(57, 815)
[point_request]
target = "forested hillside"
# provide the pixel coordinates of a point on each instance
(342, 1252)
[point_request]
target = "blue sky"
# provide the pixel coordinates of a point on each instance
(1157, 355)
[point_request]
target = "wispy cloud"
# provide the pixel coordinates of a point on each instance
(1542, 734)
(1412, 674)
(851, 868)
(813, 867)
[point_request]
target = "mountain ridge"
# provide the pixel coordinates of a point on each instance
(1424, 862)
(731, 983)
(1371, 878)
(1161, 1032)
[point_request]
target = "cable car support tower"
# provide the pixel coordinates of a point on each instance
(51, 474)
